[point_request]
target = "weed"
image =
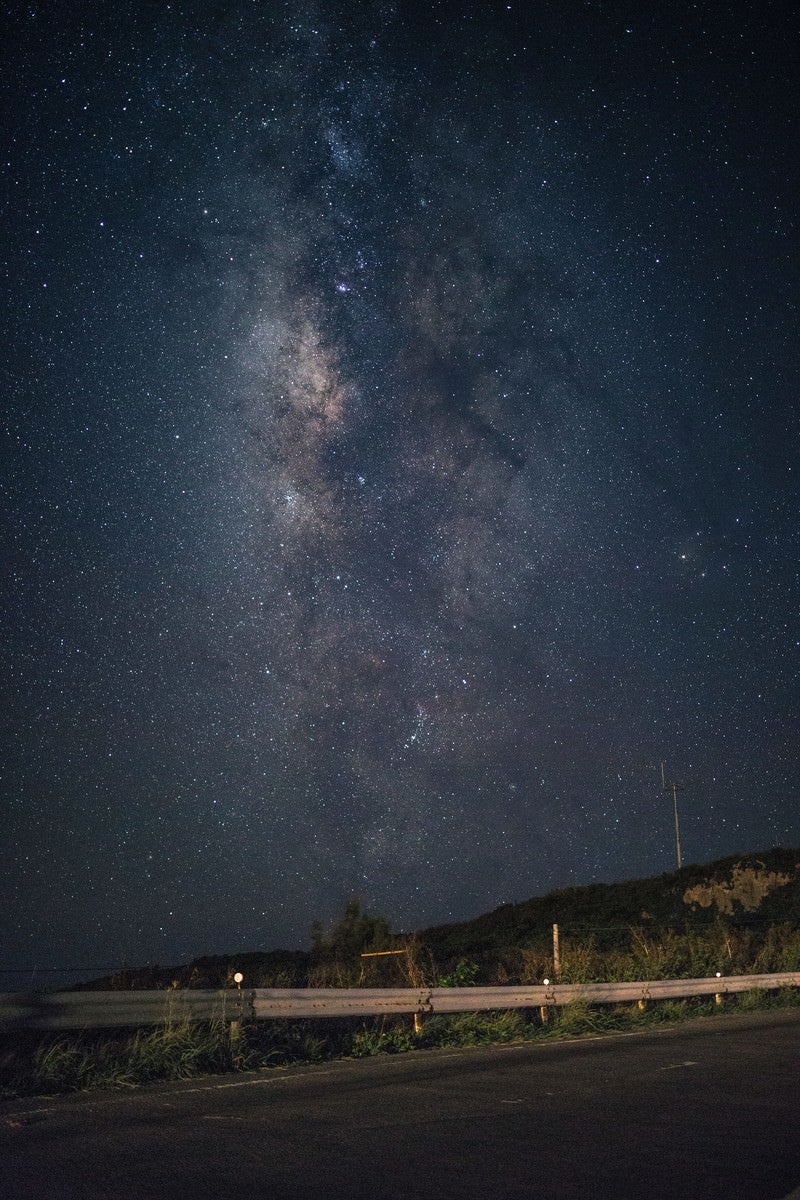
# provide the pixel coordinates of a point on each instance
(579, 1017)
(395, 1040)
(169, 1051)
(474, 1029)
(463, 974)
(747, 1001)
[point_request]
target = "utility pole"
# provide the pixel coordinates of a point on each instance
(673, 787)
(556, 955)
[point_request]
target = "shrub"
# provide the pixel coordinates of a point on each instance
(463, 974)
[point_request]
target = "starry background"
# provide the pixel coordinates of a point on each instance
(399, 460)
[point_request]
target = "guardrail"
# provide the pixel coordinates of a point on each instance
(97, 1010)
(90, 1010)
(335, 1002)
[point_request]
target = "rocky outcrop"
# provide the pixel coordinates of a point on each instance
(746, 887)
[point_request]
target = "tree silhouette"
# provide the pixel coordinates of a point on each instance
(357, 931)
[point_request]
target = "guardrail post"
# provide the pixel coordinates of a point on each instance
(544, 1011)
(235, 1029)
(417, 1023)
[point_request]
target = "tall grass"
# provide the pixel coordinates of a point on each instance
(169, 1051)
(641, 953)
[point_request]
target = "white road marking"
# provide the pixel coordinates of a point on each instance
(217, 1087)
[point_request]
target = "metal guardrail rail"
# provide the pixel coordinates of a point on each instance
(328, 1002)
(92, 1010)
(104, 1010)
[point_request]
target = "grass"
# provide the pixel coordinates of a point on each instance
(181, 1050)
(638, 952)
(169, 1051)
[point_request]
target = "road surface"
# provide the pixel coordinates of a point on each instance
(706, 1109)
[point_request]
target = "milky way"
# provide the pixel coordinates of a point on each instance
(401, 462)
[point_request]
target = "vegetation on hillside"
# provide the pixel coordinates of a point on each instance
(738, 915)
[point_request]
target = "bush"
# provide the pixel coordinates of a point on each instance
(463, 974)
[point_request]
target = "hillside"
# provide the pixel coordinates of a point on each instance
(744, 889)
(742, 892)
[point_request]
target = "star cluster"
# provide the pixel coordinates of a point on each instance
(400, 461)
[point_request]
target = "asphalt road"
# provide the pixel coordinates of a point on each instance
(707, 1109)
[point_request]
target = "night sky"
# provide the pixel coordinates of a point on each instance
(399, 460)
